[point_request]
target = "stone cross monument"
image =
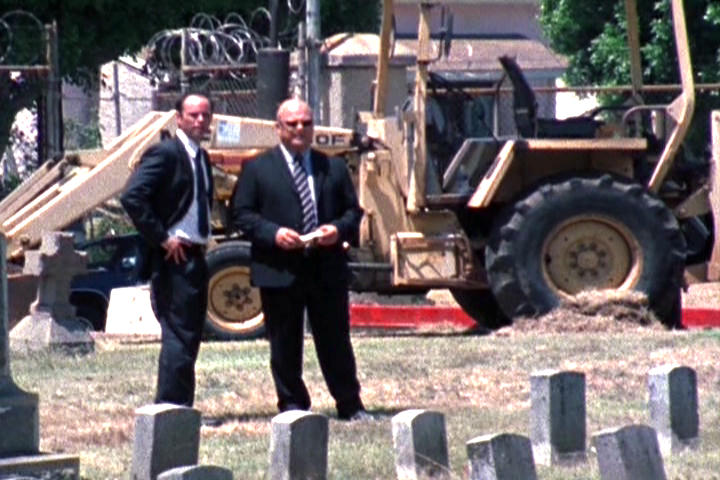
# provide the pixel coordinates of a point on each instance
(52, 322)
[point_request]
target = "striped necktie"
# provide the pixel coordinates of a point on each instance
(309, 216)
(201, 194)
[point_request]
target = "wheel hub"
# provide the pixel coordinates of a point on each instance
(233, 304)
(236, 296)
(588, 258)
(585, 254)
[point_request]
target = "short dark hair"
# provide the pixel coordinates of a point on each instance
(181, 100)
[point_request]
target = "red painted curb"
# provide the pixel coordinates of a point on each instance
(407, 317)
(414, 317)
(700, 318)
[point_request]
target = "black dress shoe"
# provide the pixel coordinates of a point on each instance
(360, 416)
(292, 406)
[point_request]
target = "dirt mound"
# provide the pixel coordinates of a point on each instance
(592, 311)
(372, 298)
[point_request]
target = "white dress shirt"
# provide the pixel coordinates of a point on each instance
(187, 226)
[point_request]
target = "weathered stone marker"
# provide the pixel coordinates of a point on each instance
(19, 423)
(420, 443)
(197, 472)
(52, 322)
(557, 416)
(298, 446)
(503, 456)
(166, 436)
(674, 407)
(629, 453)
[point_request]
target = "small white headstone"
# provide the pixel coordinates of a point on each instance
(298, 446)
(629, 453)
(420, 445)
(166, 436)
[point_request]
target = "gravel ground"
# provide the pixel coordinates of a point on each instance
(702, 295)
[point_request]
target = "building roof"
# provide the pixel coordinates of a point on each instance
(475, 58)
(360, 49)
(480, 56)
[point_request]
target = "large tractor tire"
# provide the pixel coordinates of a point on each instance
(481, 306)
(582, 234)
(234, 308)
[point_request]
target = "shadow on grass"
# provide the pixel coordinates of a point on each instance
(430, 331)
(378, 414)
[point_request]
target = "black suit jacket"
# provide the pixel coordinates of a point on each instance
(265, 199)
(160, 190)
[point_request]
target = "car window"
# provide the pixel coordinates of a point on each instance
(113, 254)
(100, 255)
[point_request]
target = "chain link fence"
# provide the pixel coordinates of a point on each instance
(23, 78)
(214, 56)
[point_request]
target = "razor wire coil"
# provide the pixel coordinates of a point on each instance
(210, 42)
(22, 39)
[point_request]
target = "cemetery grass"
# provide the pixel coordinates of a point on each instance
(479, 382)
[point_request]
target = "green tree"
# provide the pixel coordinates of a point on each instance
(93, 32)
(593, 37)
(349, 16)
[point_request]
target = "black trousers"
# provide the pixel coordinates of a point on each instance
(179, 300)
(329, 318)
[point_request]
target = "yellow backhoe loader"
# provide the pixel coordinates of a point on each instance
(511, 225)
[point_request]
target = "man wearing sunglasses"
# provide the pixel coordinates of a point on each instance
(297, 206)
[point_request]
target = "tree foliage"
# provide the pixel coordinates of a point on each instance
(93, 32)
(593, 37)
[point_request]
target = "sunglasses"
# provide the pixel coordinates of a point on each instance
(296, 124)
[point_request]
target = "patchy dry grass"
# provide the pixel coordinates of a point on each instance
(481, 383)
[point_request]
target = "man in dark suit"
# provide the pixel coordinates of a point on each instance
(298, 206)
(168, 198)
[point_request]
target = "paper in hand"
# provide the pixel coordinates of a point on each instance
(310, 237)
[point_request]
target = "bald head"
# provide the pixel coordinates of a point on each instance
(293, 106)
(295, 125)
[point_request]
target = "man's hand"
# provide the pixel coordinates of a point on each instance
(288, 239)
(175, 249)
(328, 235)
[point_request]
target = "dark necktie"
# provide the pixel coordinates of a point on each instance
(309, 217)
(201, 194)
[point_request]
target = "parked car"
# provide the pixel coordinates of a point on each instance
(112, 262)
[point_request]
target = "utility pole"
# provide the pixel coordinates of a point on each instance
(116, 98)
(53, 146)
(312, 18)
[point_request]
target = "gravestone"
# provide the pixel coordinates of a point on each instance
(18, 409)
(503, 456)
(19, 423)
(629, 453)
(420, 444)
(166, 436)
(557, 417)
(197, 472)
(52, 323)
(298, 446)
(674, 407)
